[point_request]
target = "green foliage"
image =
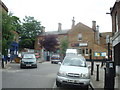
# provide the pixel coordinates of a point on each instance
(30, 29)
(9, 23)
(64, 45)
(26, 43)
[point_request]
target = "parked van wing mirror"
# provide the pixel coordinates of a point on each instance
(59, 63)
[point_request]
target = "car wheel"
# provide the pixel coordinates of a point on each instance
(51, 62)
(58, 84)
(21, 67)
(86, 87)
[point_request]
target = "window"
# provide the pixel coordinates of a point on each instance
(79, 37)
(80, 51)
(83, 51)
(86, 52)
(116, 23)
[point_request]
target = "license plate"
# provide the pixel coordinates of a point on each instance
(28, 65)
(71, 81)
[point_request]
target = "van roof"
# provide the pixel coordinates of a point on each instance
(71, 51)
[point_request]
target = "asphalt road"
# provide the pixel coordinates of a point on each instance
(42, 77)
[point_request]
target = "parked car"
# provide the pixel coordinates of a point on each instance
(28, 60)
(73, 71)
(55, 58)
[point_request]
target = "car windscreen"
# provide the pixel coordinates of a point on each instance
(29, 56)
(74, 61)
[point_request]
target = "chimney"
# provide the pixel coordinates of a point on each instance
(97, 34)
(94, 25)
(59, 27)
(97, 28)
(73, 22)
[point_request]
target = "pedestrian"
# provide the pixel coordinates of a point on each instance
(45, 55)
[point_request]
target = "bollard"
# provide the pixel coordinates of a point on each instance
(3, 63)
(92, 67)
(97, 75)
(105, 80)
(92, 62)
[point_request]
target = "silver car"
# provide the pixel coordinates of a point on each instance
(28, 60)
(73, 71)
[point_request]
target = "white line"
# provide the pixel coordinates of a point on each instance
(54, 86)
(92, 86)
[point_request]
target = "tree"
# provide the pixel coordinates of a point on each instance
(64, 46)
(9, 23)
(26, 43)
(50, 43)
(30, 29)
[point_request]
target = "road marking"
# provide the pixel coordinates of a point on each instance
(91, 85)
(54, 86)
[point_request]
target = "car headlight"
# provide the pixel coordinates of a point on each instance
(34, 62)
(61, 73)
(85, 75)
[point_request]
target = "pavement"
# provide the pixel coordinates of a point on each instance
(100, 84)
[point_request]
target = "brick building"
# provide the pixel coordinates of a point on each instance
(115, 13)
(82, 38)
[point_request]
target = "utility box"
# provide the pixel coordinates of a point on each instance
(110, 75)
(110, 68)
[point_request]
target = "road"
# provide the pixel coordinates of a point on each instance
(41, 77)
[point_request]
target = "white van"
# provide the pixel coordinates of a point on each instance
(71, 51)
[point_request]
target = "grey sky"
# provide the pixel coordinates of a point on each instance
(51, 12)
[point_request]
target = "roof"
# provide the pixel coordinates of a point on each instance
(81, 26)
(55, 32)
(3, 6)
(104, 34)
(112, 8)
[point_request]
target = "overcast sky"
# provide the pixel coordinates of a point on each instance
(52, 12)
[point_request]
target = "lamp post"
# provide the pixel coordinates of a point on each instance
(108, 42)
(108, 45)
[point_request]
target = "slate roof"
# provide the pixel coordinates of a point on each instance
(55, 32)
